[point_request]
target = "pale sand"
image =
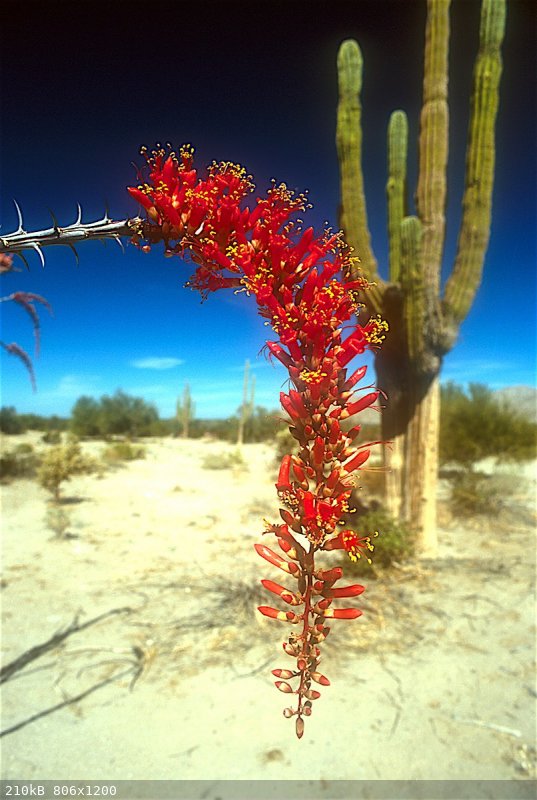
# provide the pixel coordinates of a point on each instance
(434, 681)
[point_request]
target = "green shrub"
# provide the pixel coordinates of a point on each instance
(285, 443)
(123, 451)
(10, 421)
(60, 463)
(474, 493)
(474, 426)
(20, 462)
(394, 543)
(85, 420)
(23, 448)
(52, 437)
(224, 461)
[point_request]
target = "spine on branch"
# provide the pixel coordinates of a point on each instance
(21, 241)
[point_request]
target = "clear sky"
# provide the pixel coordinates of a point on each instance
(85, 84)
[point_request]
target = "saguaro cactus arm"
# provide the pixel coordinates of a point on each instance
(396, 187)
(433, 141)
(349, 147)
(474, 234)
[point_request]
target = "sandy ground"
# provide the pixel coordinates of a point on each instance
(435, 681)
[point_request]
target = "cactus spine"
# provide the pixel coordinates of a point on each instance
(423, 322)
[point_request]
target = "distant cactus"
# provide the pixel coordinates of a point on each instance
(423, 323)
(246, 409)
(185, 411)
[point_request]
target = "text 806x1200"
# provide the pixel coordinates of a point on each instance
(58, 790)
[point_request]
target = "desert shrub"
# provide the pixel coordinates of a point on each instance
(123, 451)
(394, 543)
(474, 426)
(285, 443)
(19, 462)
(85, 420)
(24, 448)
(262, 425)
(61, 463)
(123, 414)
(51, 437)
(10, 421)
(224, 461)
(119, 414)
(474, 493)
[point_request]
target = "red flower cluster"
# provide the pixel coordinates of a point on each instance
(303, 286)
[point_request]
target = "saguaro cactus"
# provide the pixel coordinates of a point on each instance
(185, 411)
(423, 321)
(247, 407)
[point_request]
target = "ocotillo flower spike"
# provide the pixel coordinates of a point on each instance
(303, 287)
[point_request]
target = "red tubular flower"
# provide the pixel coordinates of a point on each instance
(304, 287)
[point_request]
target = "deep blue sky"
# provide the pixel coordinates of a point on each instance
(84, 84)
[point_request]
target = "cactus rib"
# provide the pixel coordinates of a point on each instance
(474, 234)
(433, 140)
(353, 218)
(396, 187)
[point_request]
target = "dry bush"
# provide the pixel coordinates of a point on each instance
(224, 461)
(60, 464)
(19, 462)
(122, 451)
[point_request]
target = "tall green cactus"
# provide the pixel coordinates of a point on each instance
(424, 322)
(247, 406)
(185, 411)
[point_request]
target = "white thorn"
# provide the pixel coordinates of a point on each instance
(55, 222)
(79, 214)
(74, 251)
(20, 255)
(39, 252)
(120, 243)
(20, 229)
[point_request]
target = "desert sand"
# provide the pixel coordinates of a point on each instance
(435, 681)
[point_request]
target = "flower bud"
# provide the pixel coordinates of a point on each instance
(283, 687)
(283, 673)
(318, 678)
